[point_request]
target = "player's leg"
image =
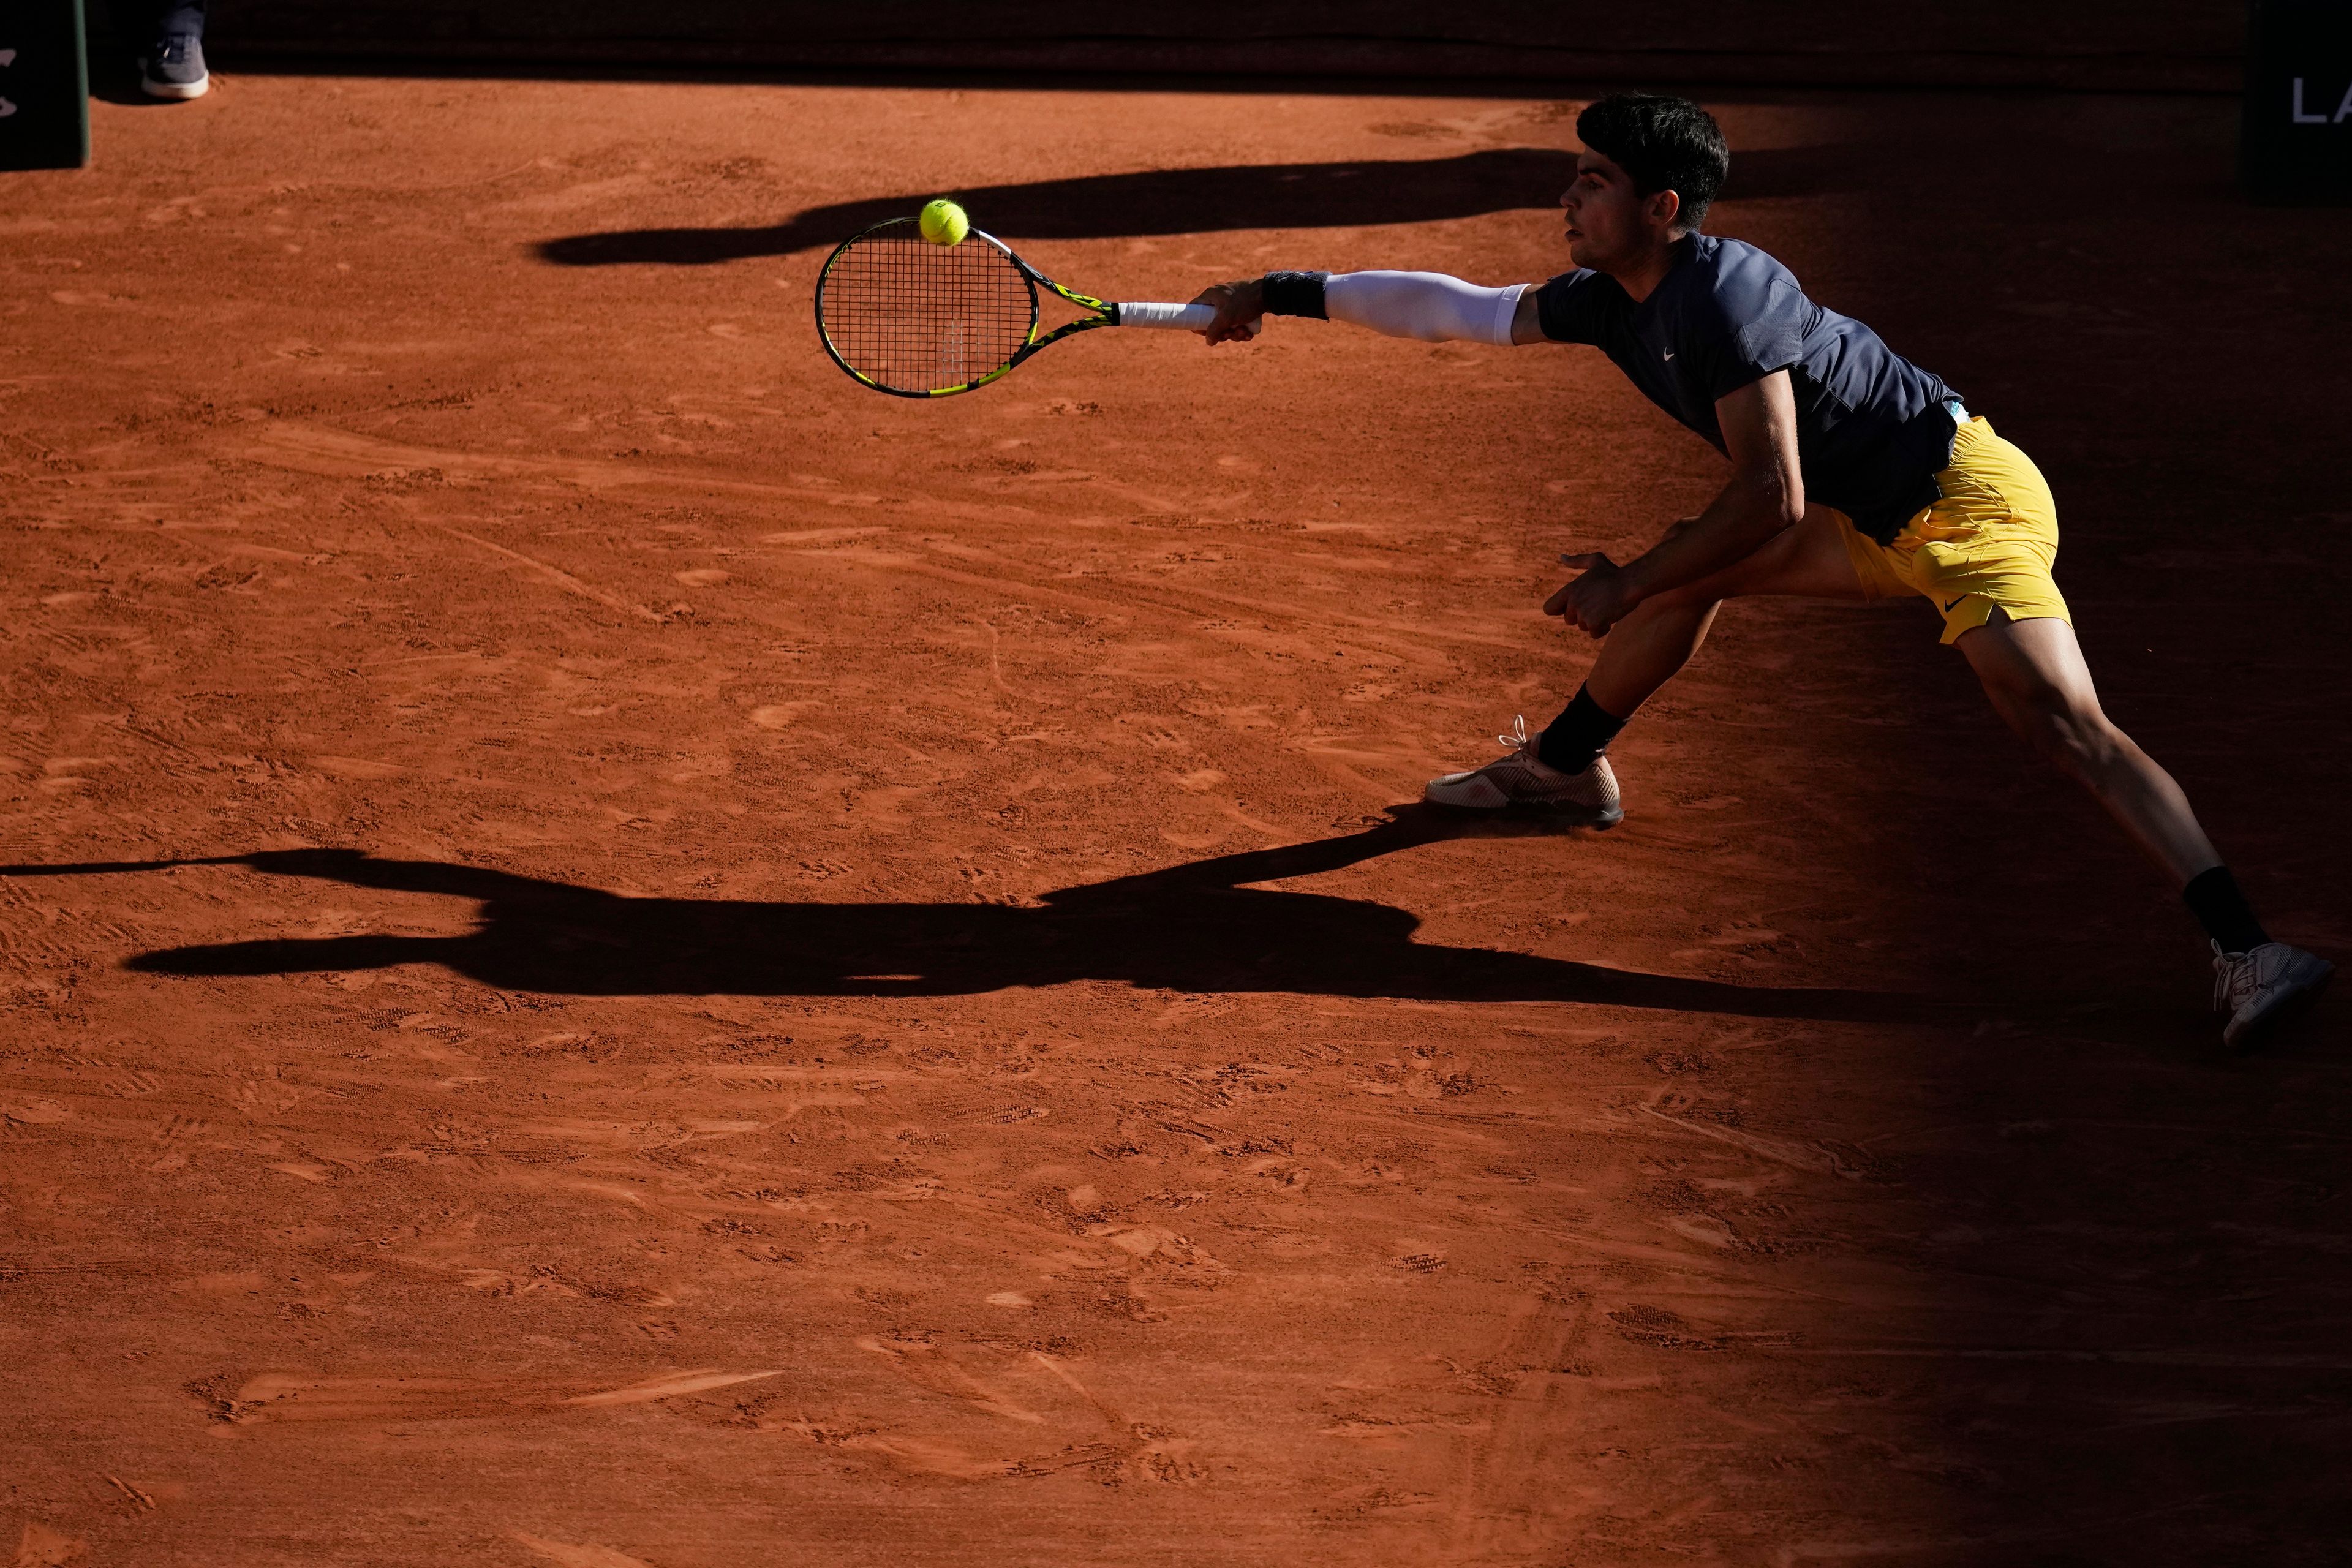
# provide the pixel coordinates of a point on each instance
(1563, 769)
(2034, 672)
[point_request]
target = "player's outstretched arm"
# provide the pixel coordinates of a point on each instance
(1428, 306)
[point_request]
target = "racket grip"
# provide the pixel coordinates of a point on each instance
(1171, 318)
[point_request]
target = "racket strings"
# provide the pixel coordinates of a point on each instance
(912, 316)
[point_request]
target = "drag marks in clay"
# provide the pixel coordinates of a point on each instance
(273, 1397)
(566, 1555)
(988, 1412)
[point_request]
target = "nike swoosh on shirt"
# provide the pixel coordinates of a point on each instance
(1947, 609)
(1670, 355)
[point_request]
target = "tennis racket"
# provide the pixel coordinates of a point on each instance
(917, 320)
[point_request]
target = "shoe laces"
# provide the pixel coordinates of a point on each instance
(2236, 976)
(1517, 741)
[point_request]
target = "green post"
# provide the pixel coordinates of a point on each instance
(44, 85)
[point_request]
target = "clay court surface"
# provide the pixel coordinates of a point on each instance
(784, 976)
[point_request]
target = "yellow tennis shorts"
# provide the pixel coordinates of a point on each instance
(1991, 541)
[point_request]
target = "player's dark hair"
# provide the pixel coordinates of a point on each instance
(1663, 144)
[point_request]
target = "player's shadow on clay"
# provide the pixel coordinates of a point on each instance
(1198, 201)
(1200, 927)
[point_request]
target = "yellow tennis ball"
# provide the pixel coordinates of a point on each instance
(943, 223)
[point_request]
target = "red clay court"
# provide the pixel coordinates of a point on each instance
(783, 976)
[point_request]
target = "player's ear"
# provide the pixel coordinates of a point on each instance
(1666, 207)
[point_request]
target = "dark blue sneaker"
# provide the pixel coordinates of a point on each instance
(174, 66)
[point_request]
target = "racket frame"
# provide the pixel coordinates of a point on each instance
(1105, 313)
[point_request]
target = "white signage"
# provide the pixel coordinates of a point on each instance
(2343, 110)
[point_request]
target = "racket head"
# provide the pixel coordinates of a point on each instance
(917, 320)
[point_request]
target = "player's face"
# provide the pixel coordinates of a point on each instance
(1606, 219)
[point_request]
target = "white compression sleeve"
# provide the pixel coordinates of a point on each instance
(1425, 305)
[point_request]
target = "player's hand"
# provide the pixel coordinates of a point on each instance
(1595, 601)
(1241, 306)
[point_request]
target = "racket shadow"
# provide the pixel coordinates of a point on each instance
(1203, 927)
(1198, 201)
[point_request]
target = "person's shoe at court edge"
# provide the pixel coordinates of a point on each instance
(174, 66)
(2260, 989)
(1526, 780)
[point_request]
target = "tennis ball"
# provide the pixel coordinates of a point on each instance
(943, 223)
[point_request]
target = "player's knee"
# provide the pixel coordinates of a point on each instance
(2077, 739)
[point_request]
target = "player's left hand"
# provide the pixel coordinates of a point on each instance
(1595, 601)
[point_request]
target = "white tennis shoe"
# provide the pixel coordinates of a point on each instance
(1525, 782)
(2260, 990)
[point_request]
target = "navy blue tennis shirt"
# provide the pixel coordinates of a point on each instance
(1872, 428)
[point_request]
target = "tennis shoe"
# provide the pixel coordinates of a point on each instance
(174, 65)
(1524, 781)
(2260, 990)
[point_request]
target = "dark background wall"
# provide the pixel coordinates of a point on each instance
(2119, 45)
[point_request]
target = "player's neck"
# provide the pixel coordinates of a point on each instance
(1640, 275)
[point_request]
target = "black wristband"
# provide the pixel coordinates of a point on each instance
(1294, 294)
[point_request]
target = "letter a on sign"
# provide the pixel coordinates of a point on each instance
(2344, 109)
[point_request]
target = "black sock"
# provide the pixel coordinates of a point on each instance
(2214, 899)
(1582, 733)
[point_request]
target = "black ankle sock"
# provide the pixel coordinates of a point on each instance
(2214, 899)
(1582, 733)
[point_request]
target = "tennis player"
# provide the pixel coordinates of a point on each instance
(1854, 474)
